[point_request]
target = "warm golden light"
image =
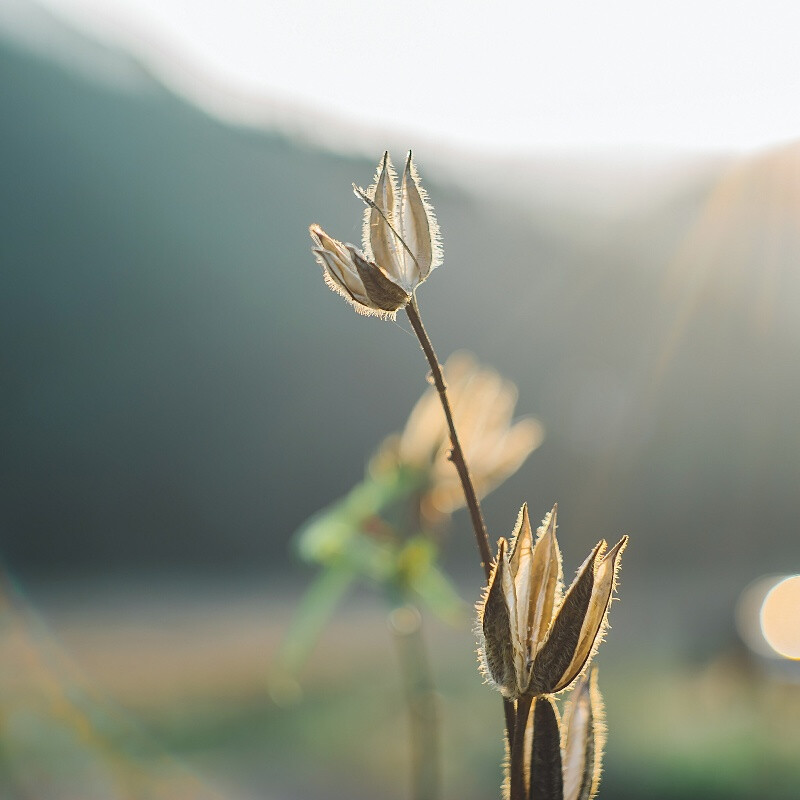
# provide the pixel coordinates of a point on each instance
(780, 617)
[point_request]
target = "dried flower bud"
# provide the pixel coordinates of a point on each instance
(522, 617)
(364, 284)
(582, 739)
(401, 245)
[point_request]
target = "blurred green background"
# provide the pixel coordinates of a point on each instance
(180, 392)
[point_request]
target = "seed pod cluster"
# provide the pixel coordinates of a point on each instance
(535, 640)
(400, 245)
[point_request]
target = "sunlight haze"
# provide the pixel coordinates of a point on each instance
(508, 76)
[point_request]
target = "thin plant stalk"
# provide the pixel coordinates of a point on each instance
(422, 703)
(456, 453)
(460, 463)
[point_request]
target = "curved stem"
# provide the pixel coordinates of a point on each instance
(460, 463)
(456, 453)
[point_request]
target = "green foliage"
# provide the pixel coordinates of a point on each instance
(372, 535)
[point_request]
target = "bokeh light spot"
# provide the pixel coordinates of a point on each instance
(780, 617)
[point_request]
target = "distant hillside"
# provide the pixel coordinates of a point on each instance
(179, 388)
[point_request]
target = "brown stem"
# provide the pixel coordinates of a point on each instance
(456, 453)
(460, 463)
(519, 790)
(510, 714)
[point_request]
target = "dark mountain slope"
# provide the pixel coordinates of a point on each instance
(179, 388)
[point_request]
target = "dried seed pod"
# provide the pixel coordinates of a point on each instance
(582, 739)
(381, 290)
(400, 230)
(381, 242)
(596, 615)
(497, 652)
(400, 241)
(362, 283)
(545, 777)
(564, 637)
(551, 640)
(417, 223)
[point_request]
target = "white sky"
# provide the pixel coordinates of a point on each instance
(699, 74)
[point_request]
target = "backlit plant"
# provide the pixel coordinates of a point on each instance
(535, 639)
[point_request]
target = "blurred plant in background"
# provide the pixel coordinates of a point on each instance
(483, 405)
(60, 738)
(387, 530)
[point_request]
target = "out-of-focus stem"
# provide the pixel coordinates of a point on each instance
(316, 608)
(460, 463)
(422, 702)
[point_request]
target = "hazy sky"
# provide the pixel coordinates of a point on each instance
(511, 75)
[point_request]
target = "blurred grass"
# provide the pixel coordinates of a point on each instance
(195, 682)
